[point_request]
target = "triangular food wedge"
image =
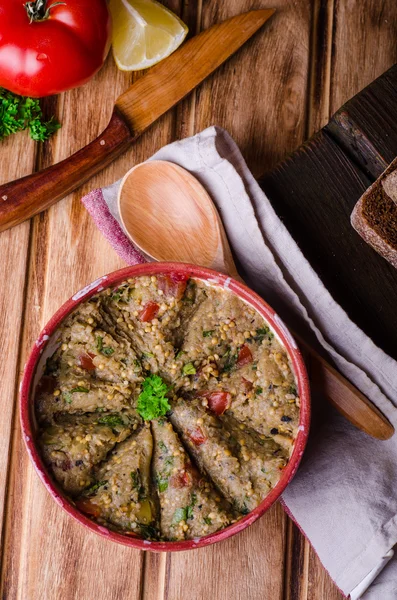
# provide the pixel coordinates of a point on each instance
(121, 494)
(190, 507)
(72, 449)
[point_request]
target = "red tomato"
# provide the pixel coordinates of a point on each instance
(85, 361)
(172, 284)
(87, 507)
(150, 310)
(51, 49)
(181, 480)
(244, 356)
(197, 436)
(218, 402)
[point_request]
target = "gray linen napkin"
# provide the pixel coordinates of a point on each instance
(343, 496)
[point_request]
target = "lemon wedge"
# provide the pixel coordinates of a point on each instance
(144, 32)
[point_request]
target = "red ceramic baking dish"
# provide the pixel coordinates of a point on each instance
(45, 345)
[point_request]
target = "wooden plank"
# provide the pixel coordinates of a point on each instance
(259, 95)
(364, 46)
(297, 563)
(318, 109)
(248, 565)
(17, 158)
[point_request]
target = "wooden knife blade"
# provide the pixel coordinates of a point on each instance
(135, 110)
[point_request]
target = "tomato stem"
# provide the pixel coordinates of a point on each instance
(38, 11)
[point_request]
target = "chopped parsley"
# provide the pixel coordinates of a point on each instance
(137, 484)
(79, 388)
(183, 514)
(179, 515)
(208, 333)
(106, 350)
(207, 521)
(230, 361)
(148, 531)
(162, 484)
(91, 490)
(261, 334)
(169, 461)
(189, 369)
(258, 391)
(292, 390)
(162, 446)
(152, 401)
(111, 420)
(19, 112)
(67, 396)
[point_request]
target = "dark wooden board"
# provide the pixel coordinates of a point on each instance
(314, 191)
(366, 126)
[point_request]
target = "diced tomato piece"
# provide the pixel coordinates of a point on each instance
(150, 310)
(197, 436)
(172, 284)
(85, 361)
(246, 384)
(218, 402)
(181, 479)
(244, 356)
(131, 534)
(88, 507)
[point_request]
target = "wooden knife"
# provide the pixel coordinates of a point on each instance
(135, 110)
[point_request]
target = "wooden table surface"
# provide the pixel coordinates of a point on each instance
(283, 86)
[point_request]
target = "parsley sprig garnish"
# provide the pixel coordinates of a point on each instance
(18, 113)
(152, 401)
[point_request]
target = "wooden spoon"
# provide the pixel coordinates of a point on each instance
(169, 215)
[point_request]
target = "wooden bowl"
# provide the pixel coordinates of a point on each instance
(46, 344)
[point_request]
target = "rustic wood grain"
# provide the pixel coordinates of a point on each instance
(270, 96)
(248, 565)
(265, 110)
(365, 126)
(318, 105)
(18, 156)
(364, 46)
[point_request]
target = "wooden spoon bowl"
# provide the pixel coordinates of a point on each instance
(167, 213)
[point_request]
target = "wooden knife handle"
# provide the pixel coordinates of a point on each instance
(25, 197)
(345, 397)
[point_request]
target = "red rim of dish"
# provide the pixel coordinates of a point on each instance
(219, 279)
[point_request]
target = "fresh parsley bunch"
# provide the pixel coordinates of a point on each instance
(152, 401)
(19, 112)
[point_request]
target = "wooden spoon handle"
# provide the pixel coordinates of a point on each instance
(344, 396)
(25, 197)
